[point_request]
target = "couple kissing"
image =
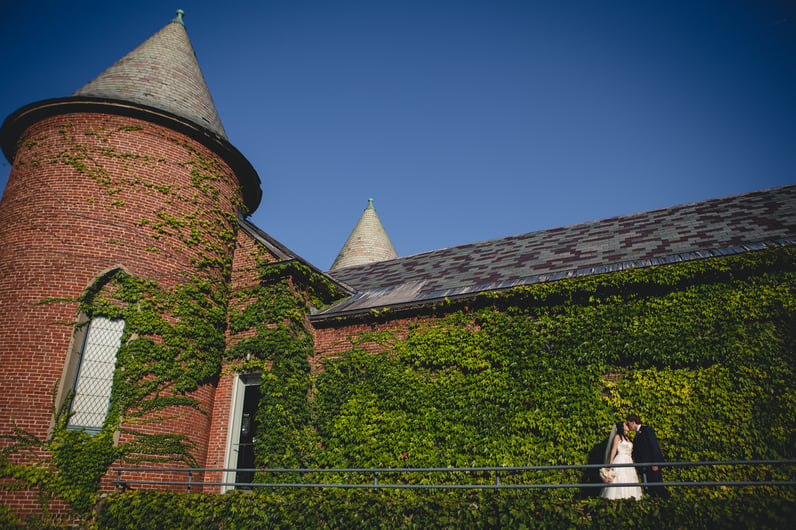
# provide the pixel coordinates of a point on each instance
(621, 450)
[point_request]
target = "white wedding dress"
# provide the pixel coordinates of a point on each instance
(623, 474)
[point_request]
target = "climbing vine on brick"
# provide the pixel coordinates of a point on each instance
(272, 316)
(174, 336)
(536, 375)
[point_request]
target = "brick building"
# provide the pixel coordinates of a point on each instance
(127, 195)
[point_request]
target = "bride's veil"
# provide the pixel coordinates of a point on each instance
(608, 446)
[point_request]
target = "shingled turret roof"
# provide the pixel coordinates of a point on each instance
(160, 81)
(368, 242)
(163, 73)
(716, 227)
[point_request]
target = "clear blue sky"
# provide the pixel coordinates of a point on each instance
(463, 120)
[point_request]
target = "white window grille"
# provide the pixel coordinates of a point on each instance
(92, 388)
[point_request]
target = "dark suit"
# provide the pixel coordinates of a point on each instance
(647, 449)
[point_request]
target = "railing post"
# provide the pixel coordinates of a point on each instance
(190, 476)
(497, 477)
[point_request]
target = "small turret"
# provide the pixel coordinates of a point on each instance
(367, 243)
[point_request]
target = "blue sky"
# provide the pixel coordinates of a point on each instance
(464, 120)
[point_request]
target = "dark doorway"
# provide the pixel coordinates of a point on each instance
(248, 434)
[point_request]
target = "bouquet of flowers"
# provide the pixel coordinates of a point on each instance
(607, 474)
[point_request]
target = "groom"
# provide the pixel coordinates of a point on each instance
(646, 449)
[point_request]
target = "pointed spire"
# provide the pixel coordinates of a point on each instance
(164, 73)
(367, 243)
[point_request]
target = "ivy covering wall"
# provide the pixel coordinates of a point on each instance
(703, 351)
(313, 508)
(175, 331)
(270, 328)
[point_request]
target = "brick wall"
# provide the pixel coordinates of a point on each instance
(245, 273)
(331, 341)
(81, 188)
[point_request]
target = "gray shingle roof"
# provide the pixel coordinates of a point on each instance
(690, 231)
(163, 73)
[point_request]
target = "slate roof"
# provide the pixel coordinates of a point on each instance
(367, 243)
(160, 81)
(163, 73)
(727, 225)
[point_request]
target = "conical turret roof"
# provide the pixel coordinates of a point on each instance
(163, 73)
(368, 242)
(160, 81)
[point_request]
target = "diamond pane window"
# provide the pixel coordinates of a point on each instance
(95, 374)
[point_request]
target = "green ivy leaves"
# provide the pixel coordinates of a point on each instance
(701, 350)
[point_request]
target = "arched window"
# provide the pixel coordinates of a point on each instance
(94, 375)
(91, 361)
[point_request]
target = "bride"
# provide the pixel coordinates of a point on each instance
(618, 452)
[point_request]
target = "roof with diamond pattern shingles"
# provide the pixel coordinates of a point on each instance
(727, 225)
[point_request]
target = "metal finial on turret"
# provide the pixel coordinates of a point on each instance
(178, 18)
(370, 203)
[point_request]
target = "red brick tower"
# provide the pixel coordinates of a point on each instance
(132, 172)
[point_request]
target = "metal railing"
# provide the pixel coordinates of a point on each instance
(496, 482)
